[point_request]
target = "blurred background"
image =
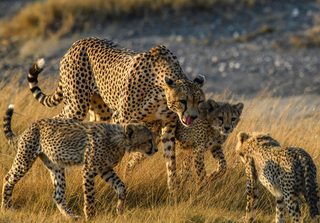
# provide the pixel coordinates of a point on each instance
(241, 46)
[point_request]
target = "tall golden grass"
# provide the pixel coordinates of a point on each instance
(292, 121)
(55, 18)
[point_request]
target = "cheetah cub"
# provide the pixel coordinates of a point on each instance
(207, 133)
(285, 172)
(61, 143)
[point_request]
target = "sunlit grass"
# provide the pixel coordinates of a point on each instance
(292, 121)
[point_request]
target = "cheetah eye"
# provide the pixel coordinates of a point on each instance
(233, 119)
(184, 102)
(220, 118)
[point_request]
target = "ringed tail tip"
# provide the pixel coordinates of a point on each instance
(40, 63)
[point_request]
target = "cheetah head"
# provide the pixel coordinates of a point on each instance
(223, 116)
(248, 142)
(140, 139)
(184, 97)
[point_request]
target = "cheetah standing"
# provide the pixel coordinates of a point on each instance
(285, 172)
(208, 133)
(61, 143)
(147, 87)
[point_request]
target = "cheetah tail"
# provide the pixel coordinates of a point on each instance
(311, 187)
(46, 100)
(7, 125)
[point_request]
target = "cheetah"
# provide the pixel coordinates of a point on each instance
(286, 172)
(61, 143)
(148, 87)
(209, 132)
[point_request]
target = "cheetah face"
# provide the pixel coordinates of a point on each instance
(224, 116)
(140, 139)
(185, 97)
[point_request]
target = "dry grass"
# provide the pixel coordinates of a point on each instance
(291, 121)
(308, 38)
(55, 18)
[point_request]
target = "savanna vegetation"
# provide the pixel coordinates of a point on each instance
(291, 121)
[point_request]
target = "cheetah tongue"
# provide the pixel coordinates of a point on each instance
(189, 120)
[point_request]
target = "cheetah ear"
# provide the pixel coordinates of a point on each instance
(243, 136)
(239, 107)
(129, 130)
(169, 82)
(211, 105)
(158, 50)
(200, 79)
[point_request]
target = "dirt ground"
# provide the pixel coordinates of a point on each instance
(242, 50)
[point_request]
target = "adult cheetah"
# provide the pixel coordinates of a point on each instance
(285, 172)
(61, 143)
(148, 87)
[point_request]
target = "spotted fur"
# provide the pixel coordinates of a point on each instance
(206, 134)
(147, 87)
(61, 143)
(285, 172)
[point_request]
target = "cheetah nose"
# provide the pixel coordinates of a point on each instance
(227, 129)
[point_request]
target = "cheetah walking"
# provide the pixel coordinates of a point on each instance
(147, 87)
(61, 143)
(285, 172)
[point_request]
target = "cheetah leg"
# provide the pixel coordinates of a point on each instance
(93, 117)
(280, 210)
(21, 165)
(111, 177)
(59, 182)
(88, 188)
(186, 170)
(134, 159)
(198, 158)
(293, 205)
(168, 142)
(98, 110)
(251, 190)
(76, 105)
(218, 154)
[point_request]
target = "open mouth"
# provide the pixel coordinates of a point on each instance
(188, 120)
